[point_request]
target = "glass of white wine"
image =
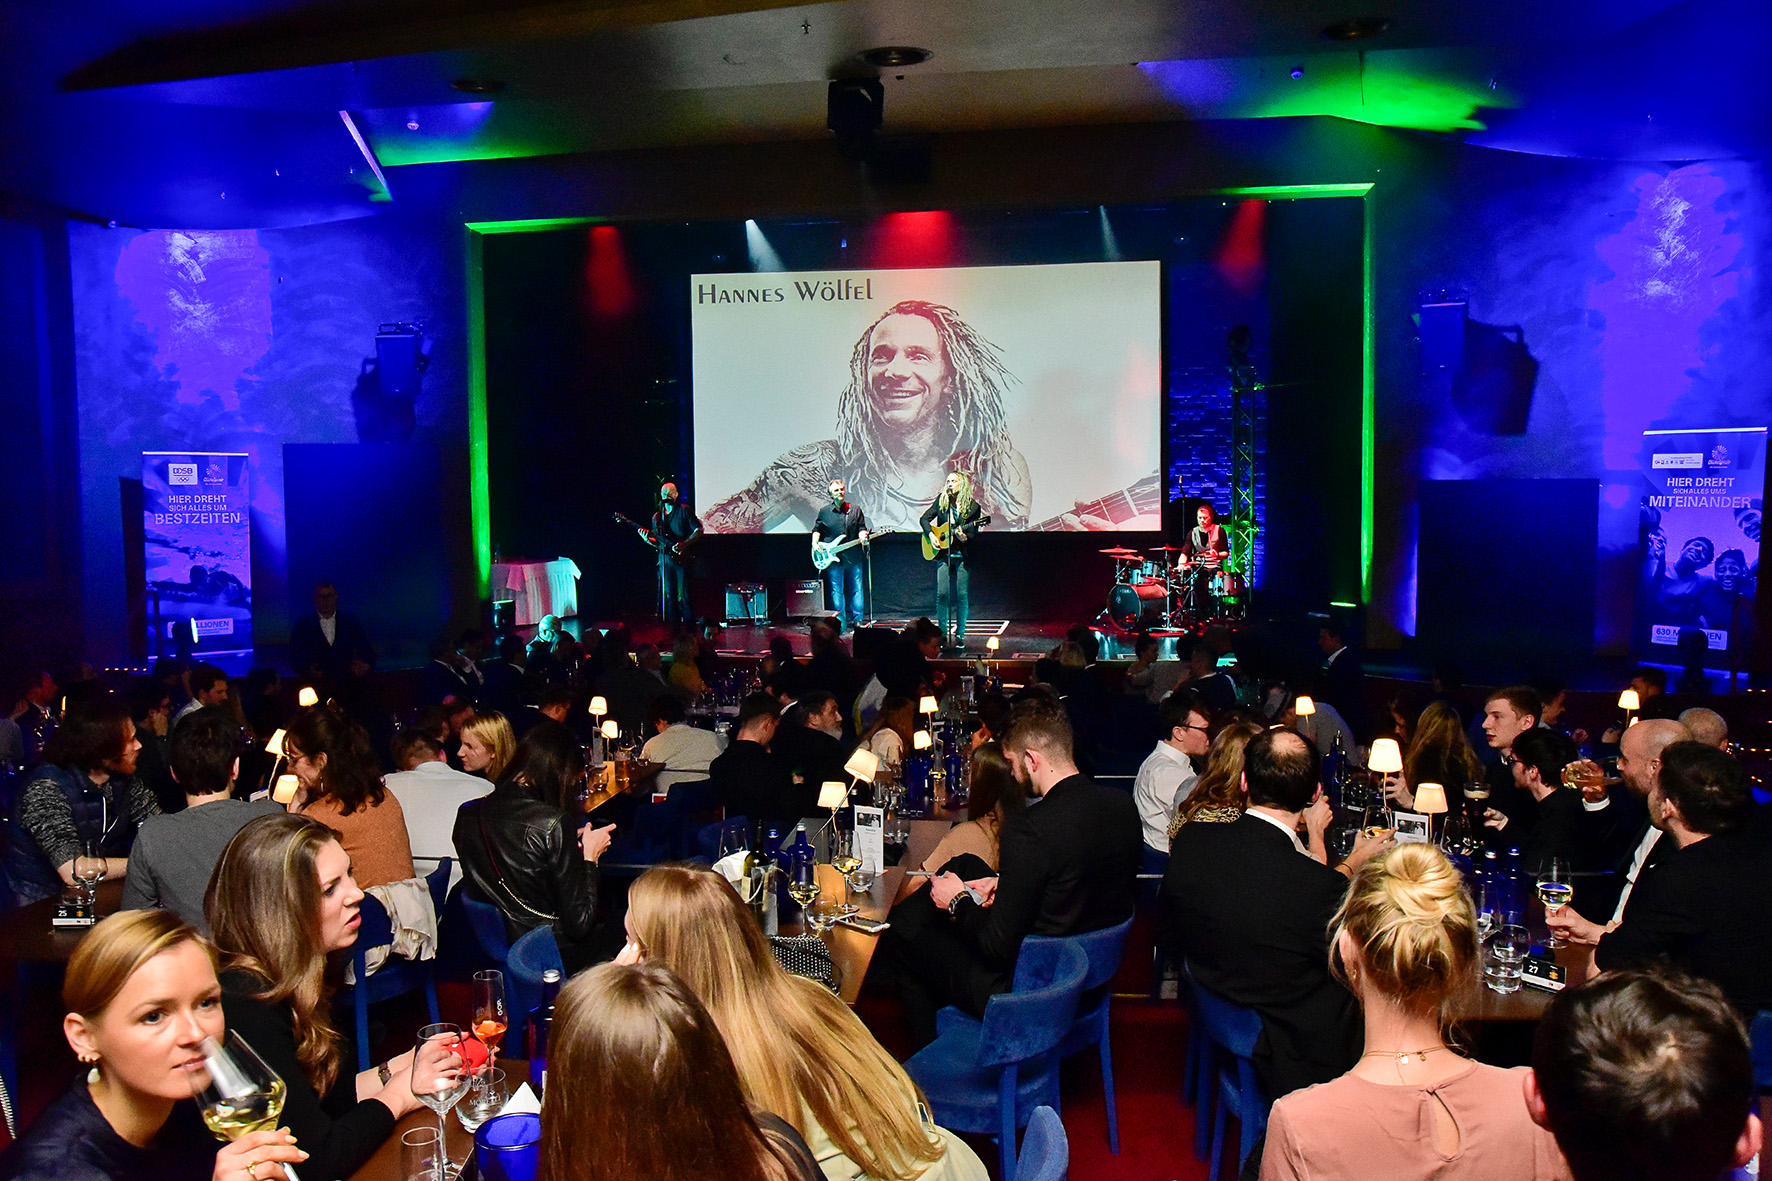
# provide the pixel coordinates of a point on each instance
(804, 886)
(440, 1078)
(236, 1092)
(1556, 890)
(844, 859)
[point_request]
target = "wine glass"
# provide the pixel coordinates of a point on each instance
(89, 871)
(733, 839)
(440, 1077)
(804, 886)
(1555, 889)
(236, 1092)
(1378, 820)
(490, 1015)
(844, 858)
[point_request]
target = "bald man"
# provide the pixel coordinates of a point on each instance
(1706, 726)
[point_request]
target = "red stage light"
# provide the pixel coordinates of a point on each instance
(926, 239)
(1242, 254)
(608, 278)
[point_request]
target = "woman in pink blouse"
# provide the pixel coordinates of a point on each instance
(1412, 1108)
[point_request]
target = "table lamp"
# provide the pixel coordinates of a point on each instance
(992, 644)
(921, 740)
(1430, 801)
(1386, 757)
(274, 745)
(599, 706)
(307, 697)
(833, 794)
(926, 704)
(863, 765)
(284, 792)
(610, 730)
(1629, 702)
(1304, 707)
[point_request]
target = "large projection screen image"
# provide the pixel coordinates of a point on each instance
(1041, 383)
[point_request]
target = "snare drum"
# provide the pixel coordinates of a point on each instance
(1132, 603)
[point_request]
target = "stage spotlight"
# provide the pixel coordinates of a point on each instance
(763, 255)
(1297, 73)
(1110, 245)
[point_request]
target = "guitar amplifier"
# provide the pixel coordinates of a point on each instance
(747, 602)
(805, 598)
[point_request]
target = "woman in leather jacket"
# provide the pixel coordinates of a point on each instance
(524, 851)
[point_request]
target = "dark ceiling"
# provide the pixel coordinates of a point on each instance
(250, 112)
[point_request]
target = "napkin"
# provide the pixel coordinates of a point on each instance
(522, 1100)
(731, 867)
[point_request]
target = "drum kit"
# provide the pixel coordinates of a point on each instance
(1172, 590)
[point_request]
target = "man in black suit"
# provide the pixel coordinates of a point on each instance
(1250, 911)
(750, 781)
(1068, 864)
(1563, 826)
(1343, 676)
(330, 645)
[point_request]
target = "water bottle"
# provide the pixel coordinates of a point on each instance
(540, 1019)
(1514, 891)
(1489, 891)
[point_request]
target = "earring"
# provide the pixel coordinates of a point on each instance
(88, 1058)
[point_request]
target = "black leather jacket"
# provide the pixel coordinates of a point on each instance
(534, 870)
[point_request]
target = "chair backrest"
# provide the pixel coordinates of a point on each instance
(375, 928)
(709, 839)
(1229, 1025)
(1045, 1149)
(532, 954)
(437, 881)
(1102, 949)
(1760, 1034)
(1025, 1024)
(488, 923)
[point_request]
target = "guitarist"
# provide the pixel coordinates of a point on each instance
(837, 522)
(674, 530)
(948, 526)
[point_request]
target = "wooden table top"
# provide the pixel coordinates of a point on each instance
(851, 950)
(27, 937)
(385, 1164)
(617, 777)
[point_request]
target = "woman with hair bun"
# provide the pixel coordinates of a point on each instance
(1405, 944)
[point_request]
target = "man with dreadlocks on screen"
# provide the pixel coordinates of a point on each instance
(925, 397)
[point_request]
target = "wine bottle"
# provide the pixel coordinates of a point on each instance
(541, 1019)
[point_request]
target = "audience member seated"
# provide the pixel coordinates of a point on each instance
(640, 1084)
(1706, 726)
(505, 677)
(798, 1048)
(1411, 1108)
(893, 732)
(995, 795)
(750, 781)
(1507, 714)
(685, 674)
(487, 745)
(523, 850)
(1650, 685)
(150, 708)
(1149, 677)
(209, 686)
(282, 902)
(174, 856)
(631, 686)
(1708, 907)
(686, 751)
(452, 674)
(904, 668)
(1439, 753)
(1218, 796)
(430, 793)
(330, 645)
(1068, 865)
(1322, 727)
(35, 716)
(1559, 822)
(1170, 772)
(83, 799)
(830, 668)
(993, 719)
(809, 741)
(1645, 1077)
(1250, 911)
(1215, 686)
(341, 787)
(130, 1117)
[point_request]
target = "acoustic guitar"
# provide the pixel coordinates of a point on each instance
(936, 540)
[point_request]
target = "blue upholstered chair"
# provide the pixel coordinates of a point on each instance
(988, 1076)
(1045, 1150)
(396, 976)
(488, 924)
(708, 839)
(533, 953)
(1232, 1032)
(1760, 1034)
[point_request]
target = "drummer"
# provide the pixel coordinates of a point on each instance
(1208, 545)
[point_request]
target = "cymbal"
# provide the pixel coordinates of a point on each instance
(1164, 549)
(1119, 551)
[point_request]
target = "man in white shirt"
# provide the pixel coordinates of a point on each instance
(430, 792)
(209, 686)
(686, 751)
(1169, 772)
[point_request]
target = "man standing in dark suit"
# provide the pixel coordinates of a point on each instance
(1343, 676)
(1068, 864)
(330, 645)
(1250, 911)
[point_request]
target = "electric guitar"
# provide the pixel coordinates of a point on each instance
(824, 553)
(936, 541)
(675, 549)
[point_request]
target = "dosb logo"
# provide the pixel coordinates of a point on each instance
(1719, 457)
(181, 473)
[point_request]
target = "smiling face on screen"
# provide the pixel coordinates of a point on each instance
(908, 373)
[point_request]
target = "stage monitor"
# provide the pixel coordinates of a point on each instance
(1042, 383)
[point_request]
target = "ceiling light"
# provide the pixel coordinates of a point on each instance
(478, 85)
(1297, 73)
(892, 57)
(1356, 28)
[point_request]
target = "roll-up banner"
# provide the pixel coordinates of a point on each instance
(198, 556)
(1700, 545)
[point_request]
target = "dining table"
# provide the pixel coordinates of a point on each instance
(27, 935)
(385, 1164)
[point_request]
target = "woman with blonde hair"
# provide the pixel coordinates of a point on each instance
(283, 905)
(800, 1051)
(1218, 797)
(1405, 944)
(1438, 753)
(640, 1084)
(141, 998)
(487, 744)
(341, 787)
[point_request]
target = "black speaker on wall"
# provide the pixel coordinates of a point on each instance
(1505, 573)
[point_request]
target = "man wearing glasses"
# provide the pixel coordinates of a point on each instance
(1169, 773)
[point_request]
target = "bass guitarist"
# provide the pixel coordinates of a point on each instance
(839, 522)
(948, 527)
(674, 530)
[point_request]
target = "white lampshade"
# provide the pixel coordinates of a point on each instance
(611, 731)
(275, 744)
(1629, 701)
(1633, 722)
(864, 764)
(1305, 706)
(599, 707)
(1430, 798)
(921, 740)
(1386, 756)
(308, 696)
(832, 793)
(991, 644)
(926, 704)
(284, 791)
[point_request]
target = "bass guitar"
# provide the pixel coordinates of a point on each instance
(938, 538)
(824, 553)
(675, 549)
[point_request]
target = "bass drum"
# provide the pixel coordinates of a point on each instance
(1135, 603)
